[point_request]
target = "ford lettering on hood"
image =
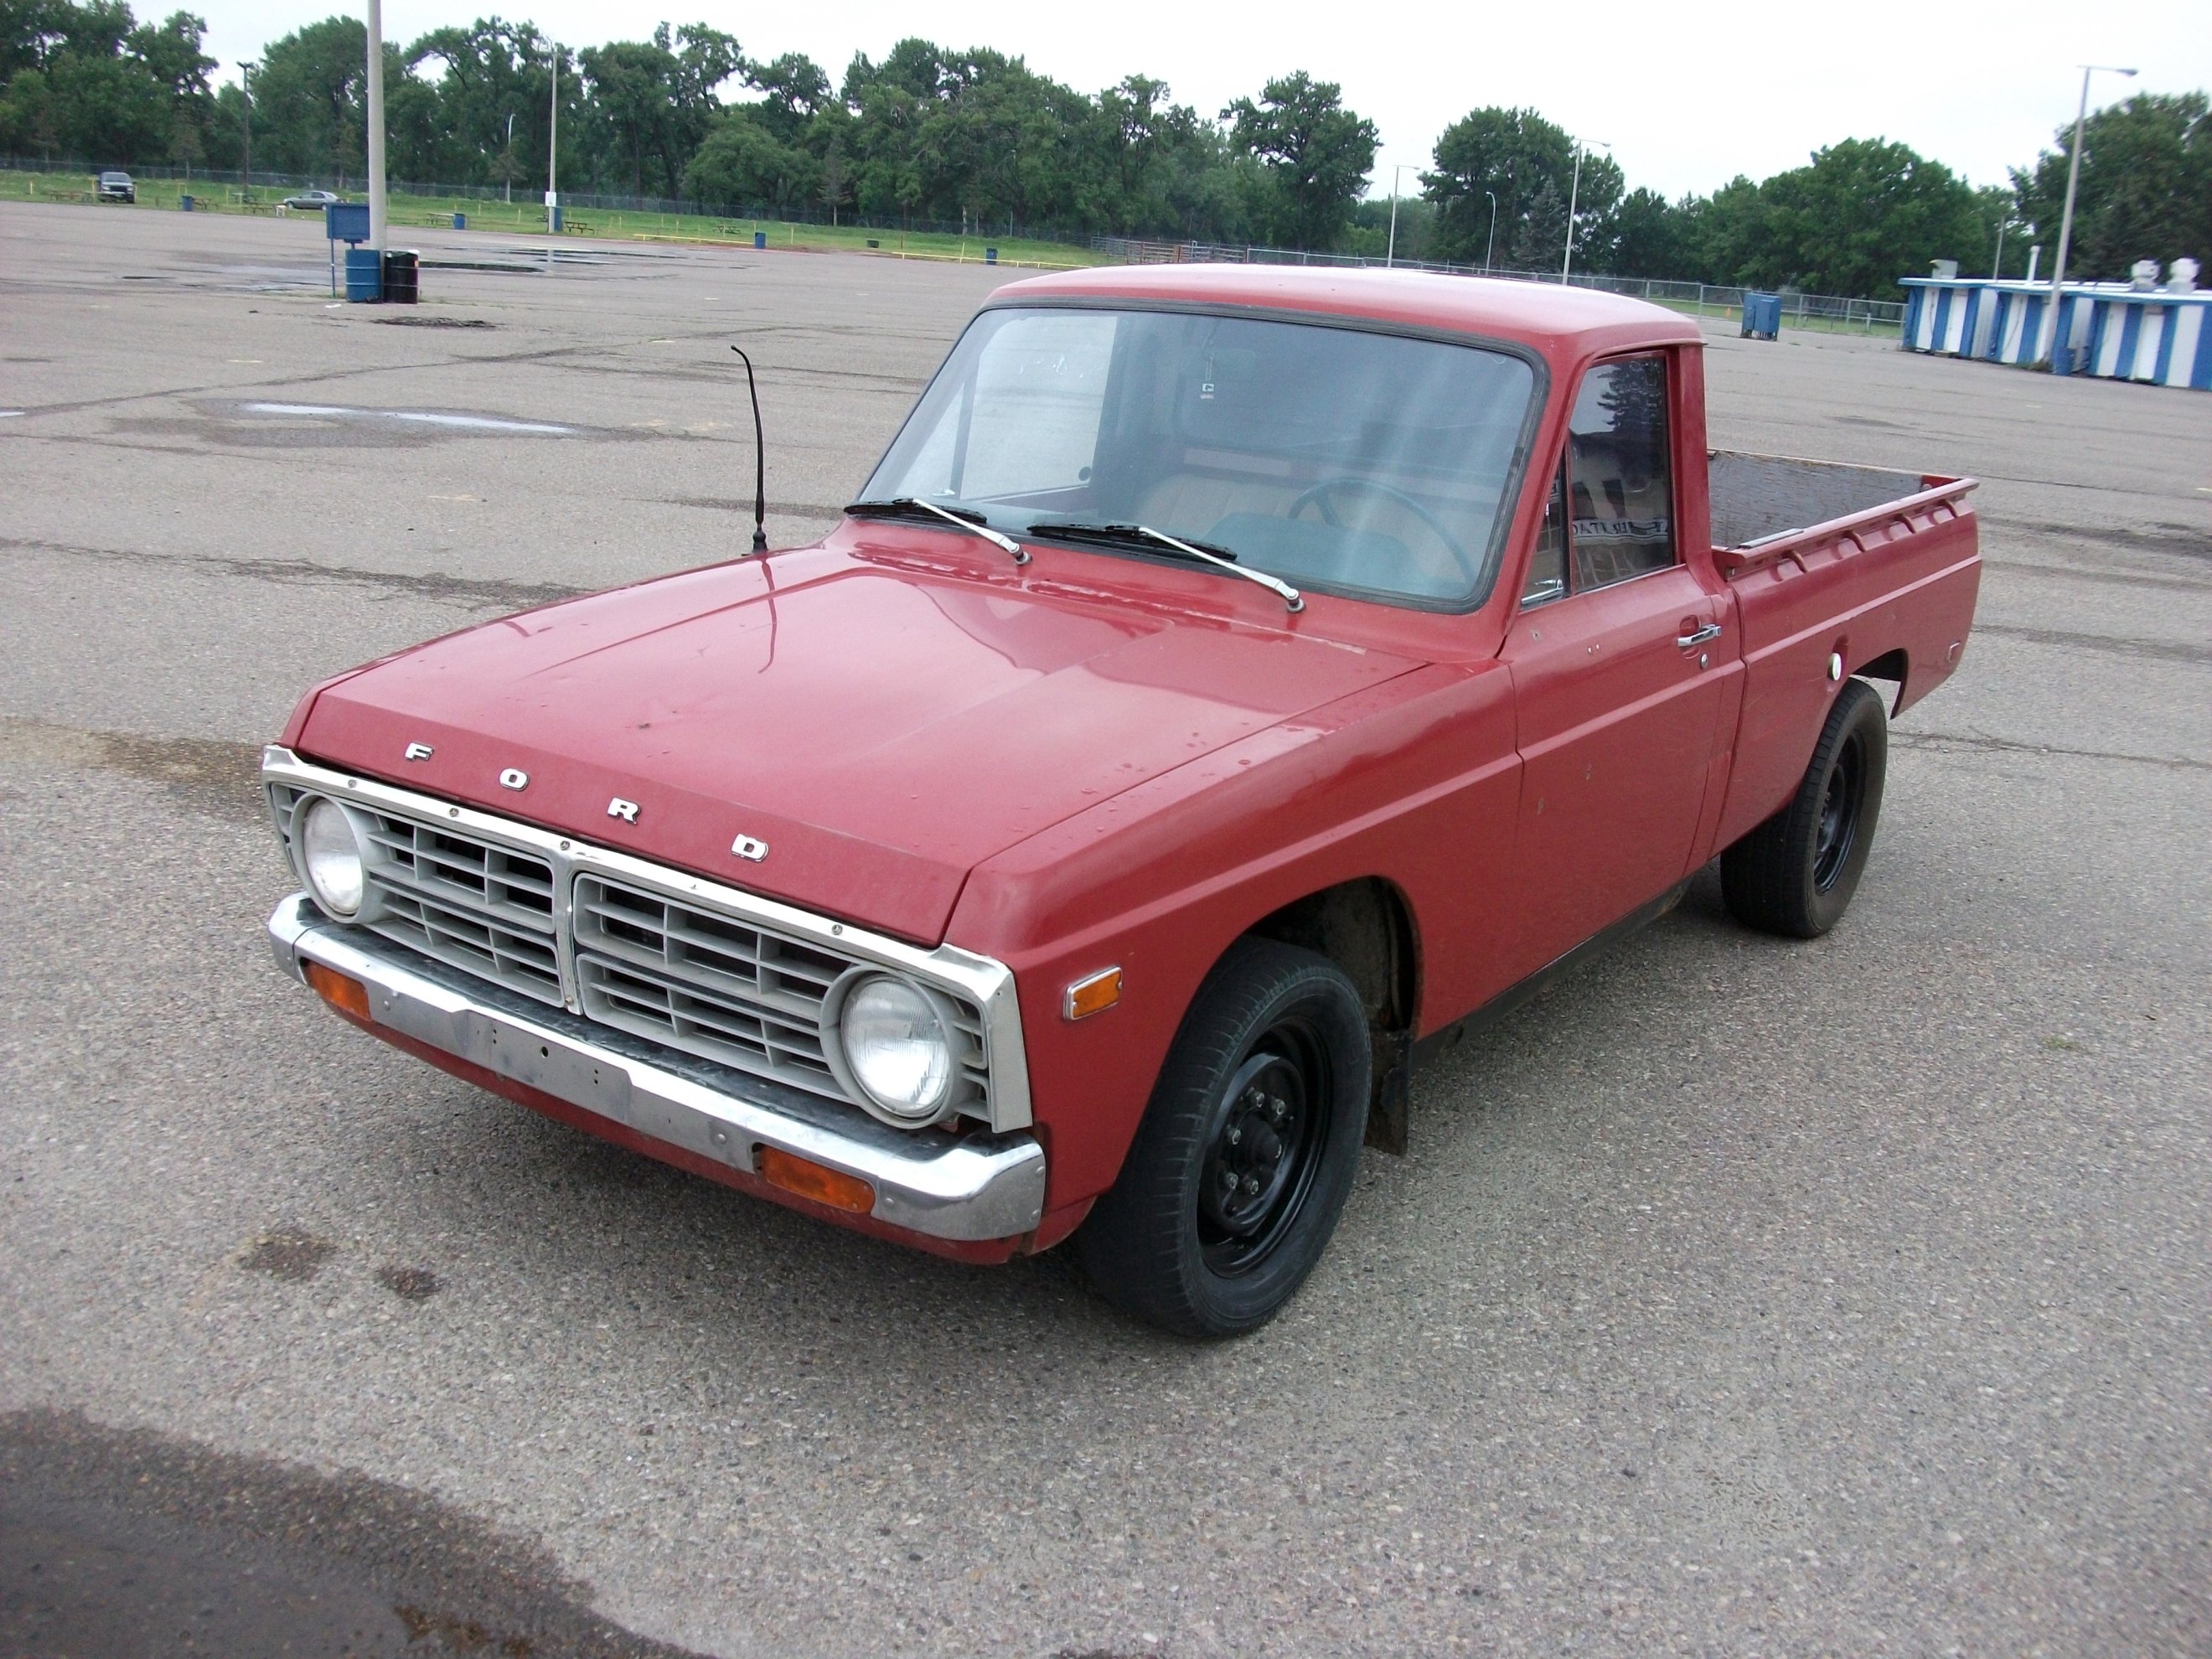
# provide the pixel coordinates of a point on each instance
(842, 722)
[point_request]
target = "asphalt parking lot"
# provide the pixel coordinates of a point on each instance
(1738, 1297)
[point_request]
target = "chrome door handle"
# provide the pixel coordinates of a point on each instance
(1710, 631)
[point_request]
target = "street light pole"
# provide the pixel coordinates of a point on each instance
(1574, 194)
(1490, 246)
(506, 170)
(553, 158)
(1390, 253)
(376, 217)
(2073, 178)
(246, 171)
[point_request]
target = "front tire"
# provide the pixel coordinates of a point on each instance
(1246, 1154)
(1795, 874)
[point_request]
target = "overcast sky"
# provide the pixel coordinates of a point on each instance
(1685, 105)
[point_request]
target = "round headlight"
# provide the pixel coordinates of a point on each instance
(330, 852)
(898, 1047)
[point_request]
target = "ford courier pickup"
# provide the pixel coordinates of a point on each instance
(1231, 683)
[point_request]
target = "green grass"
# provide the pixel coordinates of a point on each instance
(589, 224)
(1810, 324)
(583, 225)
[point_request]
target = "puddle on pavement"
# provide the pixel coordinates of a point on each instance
(268, 423)
(222, 779)
(122, 1542)
(291, 1253)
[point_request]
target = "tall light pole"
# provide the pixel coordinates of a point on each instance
(553, 159)
(246, 169)
(1574, 194)
(1390, 253)
(1490, 246)
(2073, 177)
(376, 125)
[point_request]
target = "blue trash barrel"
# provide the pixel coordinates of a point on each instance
(461, 222)
(760, 239)
(1762, 316)
(557, 221)
(184, 203)
(364, 272)
(990, 256)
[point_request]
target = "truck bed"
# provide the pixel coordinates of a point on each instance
(1874, 568)
(1758, 498)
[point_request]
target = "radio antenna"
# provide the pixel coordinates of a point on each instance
(760, 459)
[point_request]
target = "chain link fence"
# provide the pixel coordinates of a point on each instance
(1831, 312)
(1819, 311)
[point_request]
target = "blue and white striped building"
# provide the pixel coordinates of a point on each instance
(2111, 330)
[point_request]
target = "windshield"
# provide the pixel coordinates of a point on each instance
(1338, 458)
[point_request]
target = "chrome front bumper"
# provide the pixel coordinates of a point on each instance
(975, 1189)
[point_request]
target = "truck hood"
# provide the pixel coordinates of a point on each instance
(881, 723)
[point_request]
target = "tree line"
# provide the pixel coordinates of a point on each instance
(977, 138)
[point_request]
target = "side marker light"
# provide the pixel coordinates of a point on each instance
(1092, 995)
(808, 1179)
(348, 996)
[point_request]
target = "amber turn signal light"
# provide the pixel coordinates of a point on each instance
(348, 996)
(834, 1187)
(1093, 995)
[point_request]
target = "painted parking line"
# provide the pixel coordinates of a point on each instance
(9, 414)
(418, 417)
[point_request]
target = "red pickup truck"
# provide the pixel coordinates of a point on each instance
(1231, 683)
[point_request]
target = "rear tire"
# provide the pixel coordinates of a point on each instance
(1246, 1153)
(1795, 874)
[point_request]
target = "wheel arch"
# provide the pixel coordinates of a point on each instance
(1366, 927)
(1893, 665)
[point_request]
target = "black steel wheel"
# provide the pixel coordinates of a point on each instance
(1795, 874)
(1246, 1153)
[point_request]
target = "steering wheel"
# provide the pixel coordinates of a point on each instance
(1320, 494)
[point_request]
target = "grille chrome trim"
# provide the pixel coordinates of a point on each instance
(471, 904)
(996, 1064)
(974, 1186)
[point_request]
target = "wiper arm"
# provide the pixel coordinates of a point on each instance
(971, 522)
(1134, 533)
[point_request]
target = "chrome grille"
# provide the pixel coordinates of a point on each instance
(460, 900)
(720, 989)
(698, 979)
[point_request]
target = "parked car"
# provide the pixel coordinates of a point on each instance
(315, 199)
(113, 186)
(1233, 684)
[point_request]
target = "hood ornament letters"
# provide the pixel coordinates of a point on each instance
(419, 751)
(749, 847)
(514, 778)
(627, 810)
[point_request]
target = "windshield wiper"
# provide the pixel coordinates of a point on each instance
(1127, 534)
(968, 521)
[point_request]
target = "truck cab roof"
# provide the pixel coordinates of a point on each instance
(1561, 323)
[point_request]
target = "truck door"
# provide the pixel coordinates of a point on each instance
(1615, 655)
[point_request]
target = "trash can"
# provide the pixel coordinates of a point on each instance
(872, 242)
(990, 256)
(1762, 316)
(364, 276)
(760, 239)
(400, 277)
(184, 203)
(557, 221)
(461, 222)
